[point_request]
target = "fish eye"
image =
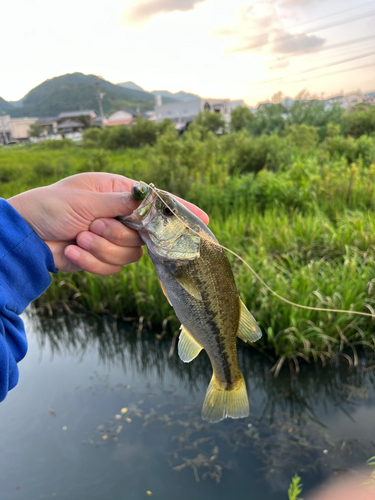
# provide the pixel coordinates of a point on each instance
(167, 211)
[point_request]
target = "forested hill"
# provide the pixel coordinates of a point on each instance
(73, 92)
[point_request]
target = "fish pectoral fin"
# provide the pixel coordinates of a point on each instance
(187, 284)
(248, 329)
(164, 291)
(188, 348)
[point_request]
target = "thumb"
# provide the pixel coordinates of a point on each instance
(112, 204)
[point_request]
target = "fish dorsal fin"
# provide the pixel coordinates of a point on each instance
(248, 329)
(188, 348)
(164, 291)
(187, 284)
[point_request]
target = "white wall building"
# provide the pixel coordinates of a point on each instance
(185, 112)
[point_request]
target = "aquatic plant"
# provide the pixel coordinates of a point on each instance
(295, 488)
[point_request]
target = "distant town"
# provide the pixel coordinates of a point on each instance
(71, 124)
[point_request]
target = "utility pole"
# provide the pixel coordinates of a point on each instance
(100, 96)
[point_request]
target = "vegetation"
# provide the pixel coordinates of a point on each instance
(297, 205)
(295, 489)
(76, 91)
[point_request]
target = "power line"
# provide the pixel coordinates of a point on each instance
(363, 66)
(307, 32)
(327, 47)
(321, 18)
(342, 61)
(332, 15)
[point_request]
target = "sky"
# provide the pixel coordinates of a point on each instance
(232, 49)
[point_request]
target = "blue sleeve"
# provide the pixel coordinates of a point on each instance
(25, 262)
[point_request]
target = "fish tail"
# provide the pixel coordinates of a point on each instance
(221, 402)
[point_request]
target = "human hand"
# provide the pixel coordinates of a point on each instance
(75, 218)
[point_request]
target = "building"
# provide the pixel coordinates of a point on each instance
(185, 112)
(49, 124)
(19, 128)
(5, 132)
(69, 126)
(121, 117)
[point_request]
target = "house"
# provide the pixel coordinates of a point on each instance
(185, 111)
(121, 117)
(49, 124)
(19, 128)
(5, 132)
(83, 116)
(69, 126)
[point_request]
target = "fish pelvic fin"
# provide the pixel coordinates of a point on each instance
(188, 348)
(221, 403)
(248, 329)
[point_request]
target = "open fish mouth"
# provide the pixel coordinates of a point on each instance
(144, 192)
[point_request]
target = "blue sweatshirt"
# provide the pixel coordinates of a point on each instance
(25, 262)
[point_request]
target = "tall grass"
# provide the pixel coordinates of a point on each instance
(307, 228)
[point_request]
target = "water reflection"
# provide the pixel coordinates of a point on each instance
(294, 396)
(317, 424)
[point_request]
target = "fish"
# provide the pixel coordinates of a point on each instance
(197, 280)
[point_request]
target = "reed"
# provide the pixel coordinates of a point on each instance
(307, 228)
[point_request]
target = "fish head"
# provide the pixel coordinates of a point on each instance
(167, 227)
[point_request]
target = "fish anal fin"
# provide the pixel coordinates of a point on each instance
(187, 284)
(188, 348)
(248, 329)
(220, 403)
(164, 291)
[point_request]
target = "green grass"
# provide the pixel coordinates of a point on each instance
(308, 230)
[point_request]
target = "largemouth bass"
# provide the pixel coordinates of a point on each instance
(197, 280)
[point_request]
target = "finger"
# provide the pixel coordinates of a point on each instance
(193, 208)
(196, 210)
(106, 251)
(114, 231)
(88, 262)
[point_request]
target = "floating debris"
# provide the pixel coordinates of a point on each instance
(104, 437)
(64, 428)
(149, 493)
(124, 410)
(117, 417)
(52, 412)
(128, 420)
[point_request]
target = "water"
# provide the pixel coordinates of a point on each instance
(60, 436)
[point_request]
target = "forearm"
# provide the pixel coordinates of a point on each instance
(25, 262)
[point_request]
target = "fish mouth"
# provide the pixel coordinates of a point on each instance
(144, 192)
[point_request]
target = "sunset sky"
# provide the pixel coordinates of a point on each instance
(214, 48)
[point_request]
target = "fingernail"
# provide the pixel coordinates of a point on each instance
(72, 253)
(85, 241)
(97, 226)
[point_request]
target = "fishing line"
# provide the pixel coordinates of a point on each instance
(283, 299)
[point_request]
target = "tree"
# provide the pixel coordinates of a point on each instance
(360, 122)
(209, 121)
(143, 132)
(35, 130)
(241, 118)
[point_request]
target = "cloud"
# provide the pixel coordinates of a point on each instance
(140, 12)
(259, 26)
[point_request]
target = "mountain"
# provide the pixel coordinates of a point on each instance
(5, 106)
(130, 85)
(178, 96)
(76, 91)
